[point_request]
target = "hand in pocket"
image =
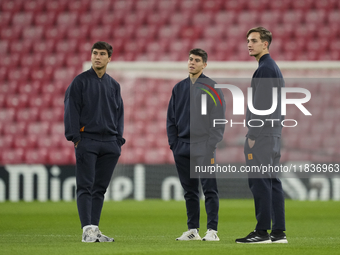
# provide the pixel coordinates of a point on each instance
(251, 143)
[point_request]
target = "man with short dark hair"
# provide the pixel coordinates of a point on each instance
(262, 145)
(193, 139)
(94, 122)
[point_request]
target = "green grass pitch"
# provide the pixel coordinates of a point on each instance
(151, 226)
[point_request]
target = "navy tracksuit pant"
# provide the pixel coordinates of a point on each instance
(95, 162)
(182, 157)
(266, 188)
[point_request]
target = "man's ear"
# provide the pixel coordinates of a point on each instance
(265, 44)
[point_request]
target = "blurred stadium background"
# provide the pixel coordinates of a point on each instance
(44, 44)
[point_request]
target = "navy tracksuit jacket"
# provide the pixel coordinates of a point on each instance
(193, 140)
(94, 116)
(266, 189)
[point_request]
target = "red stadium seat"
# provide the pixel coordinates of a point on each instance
(135, 47)
(133, 156)
(90, 18)
(208, 45)
(134, 18)
(64, 74)
(79, 6)
(101, 33)
(44, 46)
(11, 61)
(20, 74)
(297, 155)
(212, 6)
(225, 18)
(326, 5)
(257, 5)
(292, 17)
(67, 19)
(203, 19)
(33, 33)
(304, 5)
(158, 18)
(146, 32)
(247, 18)
(230, 155)
(181, 18)
(169, 32)
(158, 46)
(155, 156)
(14, 128)
(270, 17)
(281, 6)
(191, 32)
(57, 128)
(11, 33)
(235, 5)
(100, 6)
(33, 6)
(145, 5)
(135, 127)
(49, 141)
(11, 6)
(40, 101)
(42, 74)
(2, 101)
(27, 114)
(30, 88)
(181, 46)
(36, 156)
(77, 32)
(56, 33)
(5, 19)
(9, 88)
(52, 114)
(315, 16)
(22, 47)
(38, 128)
(46, 19)
(55, 60)
(6, 142)
(25, 142)
(169, 6)
(22, 19)
(12, 156)
(32, 61)
(56, 5)
(59, 156)
(237, 32)
(17, 101)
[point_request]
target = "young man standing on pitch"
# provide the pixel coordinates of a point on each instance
(262, 146)
(193, 139)
(94, 122)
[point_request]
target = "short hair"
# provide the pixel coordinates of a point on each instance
(103, 46)
(265, 34)
(201, 53)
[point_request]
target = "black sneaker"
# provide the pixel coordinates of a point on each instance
(278, 238)
(254, 237)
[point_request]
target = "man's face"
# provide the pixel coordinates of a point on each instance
(99, 59)
(195, 64)
(255, 45)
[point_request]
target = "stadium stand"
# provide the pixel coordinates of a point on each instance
(44, 43)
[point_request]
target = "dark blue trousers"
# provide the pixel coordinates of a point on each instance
(95, 162)
(181, 152)
(266, 188)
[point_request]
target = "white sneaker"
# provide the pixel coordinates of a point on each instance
(90, 235)
(191, 234)
(211, 235)
(103, 238)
